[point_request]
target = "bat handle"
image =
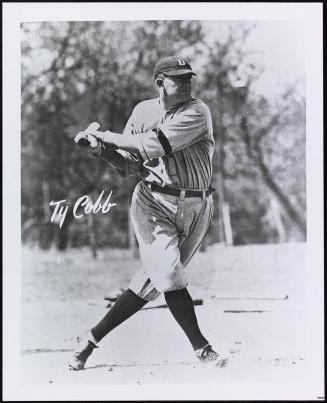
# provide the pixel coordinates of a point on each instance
(93, 126)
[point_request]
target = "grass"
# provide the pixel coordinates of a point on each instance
(243, 271)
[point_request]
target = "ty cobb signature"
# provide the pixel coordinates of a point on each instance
(61, 208)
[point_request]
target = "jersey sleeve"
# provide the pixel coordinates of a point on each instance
(130, 125)
(177, 132)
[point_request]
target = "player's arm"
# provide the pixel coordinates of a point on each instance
(173, 135)
(127, 142)
(123, 159)
(125, 163)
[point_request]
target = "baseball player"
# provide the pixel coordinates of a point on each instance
(169, 142)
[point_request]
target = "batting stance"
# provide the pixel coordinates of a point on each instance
(169, 142)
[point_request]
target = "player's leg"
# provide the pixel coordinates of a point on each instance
(159, 242)
(126, 305)
(180, 302)
(154, 238)
(130, 301)
(196, 216)
(181, 306)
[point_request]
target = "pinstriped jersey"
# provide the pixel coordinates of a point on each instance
(176, 145)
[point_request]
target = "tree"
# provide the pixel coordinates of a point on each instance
(97, 71)
(74, 73)
(246, 126)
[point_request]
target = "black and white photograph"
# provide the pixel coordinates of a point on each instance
(163, 202)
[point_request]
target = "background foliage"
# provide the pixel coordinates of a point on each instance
(74, 73)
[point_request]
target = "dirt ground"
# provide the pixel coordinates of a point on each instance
(253, 311)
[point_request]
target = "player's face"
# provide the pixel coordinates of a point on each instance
(178, 87)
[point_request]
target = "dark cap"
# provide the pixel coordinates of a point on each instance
(172, 66)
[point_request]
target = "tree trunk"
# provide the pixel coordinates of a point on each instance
(276, 216)
(227, 225)
(46, 201)
(92, 235)
(220, 190)
(219, 184)
(270, 182)
(256, 154)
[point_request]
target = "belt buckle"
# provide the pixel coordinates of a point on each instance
(203, 194)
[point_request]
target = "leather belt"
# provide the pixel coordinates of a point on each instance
(177, 192)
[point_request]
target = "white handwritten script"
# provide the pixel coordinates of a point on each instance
(61, 207)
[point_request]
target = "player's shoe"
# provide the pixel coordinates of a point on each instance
(209, 357)
(82, 352)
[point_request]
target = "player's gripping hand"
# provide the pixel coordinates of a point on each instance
(86, 141)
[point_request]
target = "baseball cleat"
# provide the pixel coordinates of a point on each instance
(209, 357)
(81, 354)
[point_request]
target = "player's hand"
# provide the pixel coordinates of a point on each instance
(93, 129)
(88, 143)
(86, 138)
(96, 134)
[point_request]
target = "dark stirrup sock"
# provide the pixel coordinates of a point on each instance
(125, 306)
(181, 306)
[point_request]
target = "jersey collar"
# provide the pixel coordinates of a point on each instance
(175, 107)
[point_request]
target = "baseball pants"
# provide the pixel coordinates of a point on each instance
(169, 230)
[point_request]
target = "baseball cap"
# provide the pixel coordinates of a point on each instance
(172, 66)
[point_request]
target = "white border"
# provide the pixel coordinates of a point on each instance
(32, 12)
(13, 14)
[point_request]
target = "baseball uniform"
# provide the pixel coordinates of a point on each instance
(177, 147)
